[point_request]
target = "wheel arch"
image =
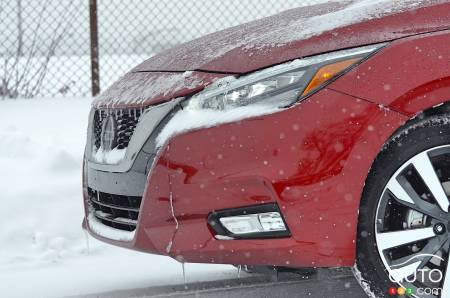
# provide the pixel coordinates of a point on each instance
(431, 117)
(428, 110)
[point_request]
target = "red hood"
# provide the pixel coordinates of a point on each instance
(289, 35)
(301, 32)
(140, 89)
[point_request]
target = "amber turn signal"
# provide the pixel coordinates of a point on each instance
(327, 72)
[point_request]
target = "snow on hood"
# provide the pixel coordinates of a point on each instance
(301, 32)
(148, 88)
(193, 117)
(293, 34)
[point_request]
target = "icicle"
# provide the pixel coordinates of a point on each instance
(239, 271)
(184, 275)
(173, 211)
(169, 246)
(87, 242)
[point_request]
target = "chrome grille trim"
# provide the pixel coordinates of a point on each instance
(126, 119)
(149, 120)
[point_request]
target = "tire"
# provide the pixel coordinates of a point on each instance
(376, 216)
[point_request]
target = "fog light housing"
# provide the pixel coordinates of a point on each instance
(253, 223)
(261, 221)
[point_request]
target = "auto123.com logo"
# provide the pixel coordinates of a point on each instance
(423, 275)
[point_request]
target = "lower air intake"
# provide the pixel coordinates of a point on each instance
(117, 211)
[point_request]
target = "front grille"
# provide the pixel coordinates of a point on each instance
(117, 211)
(126, 120)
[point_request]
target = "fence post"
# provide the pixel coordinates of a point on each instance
(95, 73)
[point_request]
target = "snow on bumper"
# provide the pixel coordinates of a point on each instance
(102, 230)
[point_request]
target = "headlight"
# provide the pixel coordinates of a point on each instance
(280, 85)
(261, 93)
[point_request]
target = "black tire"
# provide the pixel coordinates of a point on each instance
(416, 136)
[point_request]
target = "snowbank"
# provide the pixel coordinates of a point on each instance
(44, 251)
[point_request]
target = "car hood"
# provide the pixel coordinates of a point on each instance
(141, 89)
(301, 32)
(293, 34)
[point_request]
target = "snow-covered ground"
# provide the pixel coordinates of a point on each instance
(43, 249)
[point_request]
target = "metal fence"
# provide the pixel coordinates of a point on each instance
(48, 47)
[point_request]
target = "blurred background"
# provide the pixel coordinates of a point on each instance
(56, 48)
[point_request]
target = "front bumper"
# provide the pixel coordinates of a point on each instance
(312, 165)
(128, 179)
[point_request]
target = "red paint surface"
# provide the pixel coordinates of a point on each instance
(196, 55)
(311, 159)
(410, 75)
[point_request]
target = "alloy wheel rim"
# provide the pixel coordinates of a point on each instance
(412, 227)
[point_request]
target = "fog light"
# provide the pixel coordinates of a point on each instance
(253, 223)
(271, 221)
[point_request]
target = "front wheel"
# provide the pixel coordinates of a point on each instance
(403, 239)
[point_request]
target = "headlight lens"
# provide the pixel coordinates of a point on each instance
(280, 85)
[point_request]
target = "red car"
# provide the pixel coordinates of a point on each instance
(318, 137)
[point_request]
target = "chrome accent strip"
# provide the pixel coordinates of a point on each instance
(112, 206)
(111, 218)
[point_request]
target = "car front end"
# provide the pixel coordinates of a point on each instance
(201, 176)
(259, 163)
